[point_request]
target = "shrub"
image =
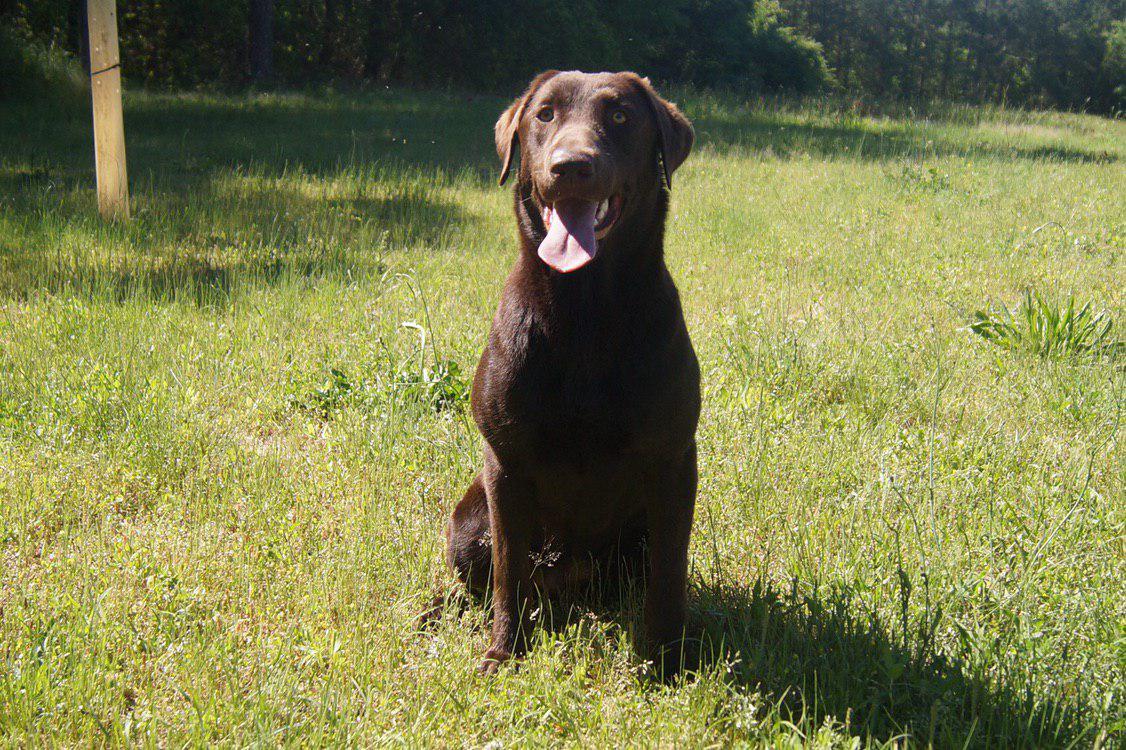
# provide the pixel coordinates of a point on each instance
(34, 70)
(1114, 65)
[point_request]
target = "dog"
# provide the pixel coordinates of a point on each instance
(588, 390)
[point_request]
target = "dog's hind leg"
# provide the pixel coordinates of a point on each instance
(469, 551)
(469, 548)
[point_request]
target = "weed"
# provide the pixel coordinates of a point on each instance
(917, 178)
(334, 392)
(440, 387)
(1047, 329)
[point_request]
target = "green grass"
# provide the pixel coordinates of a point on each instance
(230, 432)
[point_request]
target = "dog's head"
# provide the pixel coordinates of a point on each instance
(597, 151)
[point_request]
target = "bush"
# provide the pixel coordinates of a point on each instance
(738, 45)
(33, 70)
(1114, 66)
(175, 43)
(787, 59)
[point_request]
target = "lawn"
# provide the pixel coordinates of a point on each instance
(230, 432)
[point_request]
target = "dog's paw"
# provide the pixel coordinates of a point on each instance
(492, 660)
(429, 617)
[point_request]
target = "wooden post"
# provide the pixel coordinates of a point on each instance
(109, 127)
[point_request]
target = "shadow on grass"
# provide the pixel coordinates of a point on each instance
(211, 237)
(169, 137)
(186, 153)
(201, 230)
(821, 660)
(172, 137)
(784, 137)
(816, 659)
(192, 279)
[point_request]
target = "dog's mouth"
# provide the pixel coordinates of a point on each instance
(574, 229)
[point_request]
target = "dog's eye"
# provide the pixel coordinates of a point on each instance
(547, 114)
(619, 117)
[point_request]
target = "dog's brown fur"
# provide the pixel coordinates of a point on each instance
(587, 393)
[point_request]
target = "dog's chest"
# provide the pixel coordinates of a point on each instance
(584, 399)
(576, 408)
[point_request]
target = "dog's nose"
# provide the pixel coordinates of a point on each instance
(570, 163)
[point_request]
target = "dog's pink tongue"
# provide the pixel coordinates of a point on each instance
(569, 244)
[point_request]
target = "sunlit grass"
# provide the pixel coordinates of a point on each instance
(230, 432)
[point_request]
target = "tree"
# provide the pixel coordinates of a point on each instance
(262, 41)
(1114, 65)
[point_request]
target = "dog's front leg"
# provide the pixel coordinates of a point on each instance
(511, 507)
(670, 525)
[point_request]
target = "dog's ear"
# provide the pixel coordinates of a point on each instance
(675, 136)
(507, 128)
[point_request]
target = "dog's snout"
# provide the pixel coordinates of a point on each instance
(572, 163)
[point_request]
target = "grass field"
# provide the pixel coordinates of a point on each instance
(230, 432)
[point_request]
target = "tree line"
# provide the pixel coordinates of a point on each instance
(1061, 53)
(1058, 53)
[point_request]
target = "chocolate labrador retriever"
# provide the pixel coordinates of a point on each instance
(588, 392)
